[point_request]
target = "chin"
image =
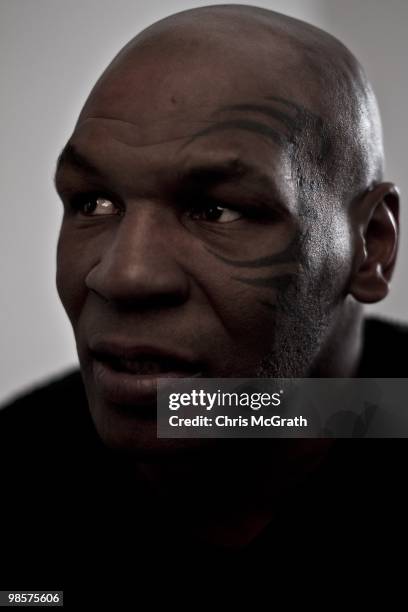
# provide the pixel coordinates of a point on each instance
(134, 432)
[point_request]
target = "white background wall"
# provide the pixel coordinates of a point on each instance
(51, 53)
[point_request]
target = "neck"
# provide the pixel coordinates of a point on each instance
(229, 499)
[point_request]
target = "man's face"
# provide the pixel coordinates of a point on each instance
(186, 245)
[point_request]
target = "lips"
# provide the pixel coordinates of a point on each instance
(144, 364)
(141, 365)
(127, 375)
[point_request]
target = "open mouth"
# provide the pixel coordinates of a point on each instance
(128, 376)
(145, 365)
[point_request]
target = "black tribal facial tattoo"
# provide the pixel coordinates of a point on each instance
(299, 296)
(280, 268)
(304, 134)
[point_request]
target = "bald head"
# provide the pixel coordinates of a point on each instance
(313, 90)
(207, 189)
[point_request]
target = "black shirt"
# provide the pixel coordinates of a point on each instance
(67, 512)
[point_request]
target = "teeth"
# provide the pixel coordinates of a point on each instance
(140, 367)
(144, 365)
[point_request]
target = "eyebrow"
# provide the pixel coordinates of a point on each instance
(210, 174)
(70, 156)
(215, 171)
(202, 174)
(207, 175)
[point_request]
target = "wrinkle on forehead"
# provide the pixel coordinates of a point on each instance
(102, 138)
(176, 70)
(127, 133)
(276, 113)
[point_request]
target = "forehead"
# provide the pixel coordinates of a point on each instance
(183, 78)
(165, 106)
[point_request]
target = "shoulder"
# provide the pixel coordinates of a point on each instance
(47, 411)
(59, 390)
(384, 348)
(48, 453)
(385, 329)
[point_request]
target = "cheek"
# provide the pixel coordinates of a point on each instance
(248, 311)
(331, 262)
(240, 309)
(70, 275)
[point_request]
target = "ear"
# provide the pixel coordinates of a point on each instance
(376, 223)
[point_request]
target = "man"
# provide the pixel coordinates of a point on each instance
(225, 215)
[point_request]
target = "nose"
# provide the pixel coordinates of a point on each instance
(139, 263)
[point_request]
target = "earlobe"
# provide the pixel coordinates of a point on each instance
(376, 225)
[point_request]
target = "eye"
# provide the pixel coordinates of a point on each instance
(215, 212)
(94, 205)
